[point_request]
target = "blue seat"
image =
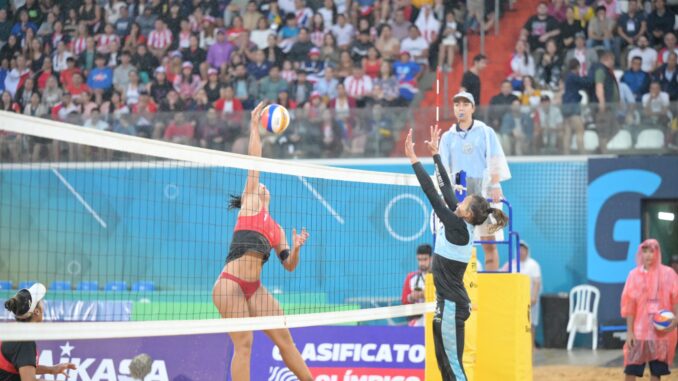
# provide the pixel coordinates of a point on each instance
(143, 286)
(116, 286)
(88, 286)
(27, 284)
(60, 285)
(5, 284)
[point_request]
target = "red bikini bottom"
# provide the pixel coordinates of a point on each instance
(248, 288)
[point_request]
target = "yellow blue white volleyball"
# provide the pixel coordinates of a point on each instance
(662, 319)
(275, 118)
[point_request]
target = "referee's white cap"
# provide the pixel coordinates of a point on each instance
(464, 95)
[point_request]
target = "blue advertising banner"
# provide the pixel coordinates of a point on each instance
(337, 353)
(616, 188)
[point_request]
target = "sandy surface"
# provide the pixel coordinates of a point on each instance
(583, 373)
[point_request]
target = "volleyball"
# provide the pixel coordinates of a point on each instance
(275, 118)
(662, 320)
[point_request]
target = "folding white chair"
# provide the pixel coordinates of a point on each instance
(584, 301)
(652, 138)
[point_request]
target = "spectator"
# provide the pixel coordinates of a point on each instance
(274, 55)
(400, 25)
(211, 133)
(656, 106)
(360, 47)
(448, 45)
(52, 94)
(388, 84)
(343, 32)
(252, 16)
(428, 25)
(600, 30)
(470, 82)
(105, 41)
(413, 288)
(327, 85)
(416, 46)
(342, 104)
(187, 84)
(557, 10)
(25, 92)
(569, 29)
(61, 56)
(233, 33)
(212, 87)
(659, 22)
(260, 34)
(259, 68)
(667, 75)
(549, 70)
(301, 88)
(637, 80)
(313, 66)
(287, 35)
(160, 87)
(44, 74)
(17, 76)
(159, 40)
(669, 46)
(531, 268)
(134, 88)
(36, 109)
(372, 63)
(300, 49)
(134, 39)
(606, 96)
(179, 130)
(100, 77)
(302, 13)
(47, 27)
(630, 27)
(123, 23)
(244, 86)
(548, 130)
(23, 24)
(540, 28)
(638, 305)
(86, 58)
(5, 25)
(500, 104)
(61, 110)
(522, 64)
(90, 13)
(173, 103)
(647, 54)
(516, 130)
(115, 108)
(531, 93)
(359, 86)
(95, 121)
(220, 52)
(144, 111)
(574, 84)
(587, 57)
(408, 73)
(612, 10)
(271, 85)
(287, 73)
(144, 61)
(146, 21)
(121, 72)
(228, 105)
(387, 45)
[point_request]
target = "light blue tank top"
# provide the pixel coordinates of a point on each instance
(446, 249)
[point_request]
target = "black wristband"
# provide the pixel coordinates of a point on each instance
(283, 255)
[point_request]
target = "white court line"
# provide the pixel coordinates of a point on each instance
(79, 198)
(322, 200)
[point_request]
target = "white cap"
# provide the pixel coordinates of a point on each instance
(465, 95)
(37, 292)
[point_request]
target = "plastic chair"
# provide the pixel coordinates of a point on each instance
(621, 141)
(591, 141)
(143, 286)
(27, 284)
(60, 285)
(5, 284)
(116, 286)
(652, 138)
(88, 286)
(584, 301)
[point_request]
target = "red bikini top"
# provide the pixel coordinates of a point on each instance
(262, 223)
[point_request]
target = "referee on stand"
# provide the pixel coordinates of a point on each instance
(472, 147)
(19, 360)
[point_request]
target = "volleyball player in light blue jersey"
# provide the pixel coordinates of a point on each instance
(473, 147)
(451, 254)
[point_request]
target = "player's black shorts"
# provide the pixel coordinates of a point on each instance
(657, 369)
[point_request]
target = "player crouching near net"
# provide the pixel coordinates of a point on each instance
(19, 360)
(238, 292)
(450, 256)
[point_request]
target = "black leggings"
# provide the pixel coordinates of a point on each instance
(448, 337)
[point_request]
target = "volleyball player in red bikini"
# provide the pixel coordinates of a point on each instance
(238, 291)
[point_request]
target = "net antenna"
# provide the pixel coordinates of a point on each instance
(130, 244)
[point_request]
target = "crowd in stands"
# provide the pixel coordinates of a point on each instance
(134, 66)
(621, 63)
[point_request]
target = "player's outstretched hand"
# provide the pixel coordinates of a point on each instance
(298, 240)
(256, 115)
(435, 140)
(409, 148)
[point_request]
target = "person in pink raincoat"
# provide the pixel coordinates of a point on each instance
(650, 287)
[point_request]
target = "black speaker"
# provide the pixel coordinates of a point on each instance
(555, 313)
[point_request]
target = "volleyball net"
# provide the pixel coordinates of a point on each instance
(129, 235)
